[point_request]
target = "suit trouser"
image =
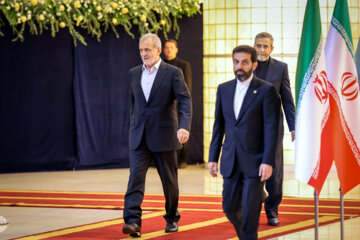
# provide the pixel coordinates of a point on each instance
(166, 165)
(242, 203)
(183, 154)
(274, 185)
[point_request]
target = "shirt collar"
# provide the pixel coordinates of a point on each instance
(246, 82)
(266, 61)
(153, 68)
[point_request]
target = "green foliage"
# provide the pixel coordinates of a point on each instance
(96, 16)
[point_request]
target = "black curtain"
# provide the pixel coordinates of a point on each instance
(101, 92)
(36, 103)
(64, 107)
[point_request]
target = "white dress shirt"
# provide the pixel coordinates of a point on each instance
(148, 77)
(240, 91)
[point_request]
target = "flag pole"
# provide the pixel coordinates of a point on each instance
(316, 199)
(341, 215)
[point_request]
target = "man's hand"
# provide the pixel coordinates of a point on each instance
(293, 135)
(182, 135)
(265, 171)
(213, 168)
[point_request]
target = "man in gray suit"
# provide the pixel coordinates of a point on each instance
(275, 72)
(156, 131)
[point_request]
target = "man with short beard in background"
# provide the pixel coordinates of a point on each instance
(276, 73)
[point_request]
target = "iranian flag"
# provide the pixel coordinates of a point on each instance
(312, 103)
(344, 99)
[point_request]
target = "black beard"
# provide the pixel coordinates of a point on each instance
(242, 76)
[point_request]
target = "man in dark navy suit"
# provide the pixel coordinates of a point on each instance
(156, 132)
(247, 114)
(276, 73)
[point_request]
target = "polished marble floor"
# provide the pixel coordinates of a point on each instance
(193, 180)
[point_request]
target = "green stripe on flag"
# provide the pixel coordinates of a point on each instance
(309, 46)
(341, 13)
(344, 33)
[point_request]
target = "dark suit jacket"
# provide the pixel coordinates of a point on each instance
(278, 75)
(186, 69)
(157, 118)
(253, 135)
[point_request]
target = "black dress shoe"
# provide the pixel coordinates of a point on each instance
(172, 227)
(182, 165)
(273, 221)
(133, 229)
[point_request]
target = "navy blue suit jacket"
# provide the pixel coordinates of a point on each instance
(277, 74)
(252, 137)
(157, 118)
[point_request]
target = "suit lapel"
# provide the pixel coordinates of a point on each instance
(138, 83)
(158, 80)
(270, 71)
(232, 96)
(249, 96)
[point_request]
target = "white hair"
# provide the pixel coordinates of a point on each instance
(155, 39)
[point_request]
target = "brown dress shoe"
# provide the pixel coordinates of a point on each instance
(133, 229)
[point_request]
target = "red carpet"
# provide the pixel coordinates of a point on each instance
(202, 217)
